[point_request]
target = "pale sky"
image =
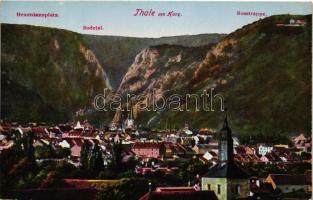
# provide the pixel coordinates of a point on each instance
(117, 18)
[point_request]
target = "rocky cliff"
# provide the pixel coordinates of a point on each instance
(263, 70)
(58, 72)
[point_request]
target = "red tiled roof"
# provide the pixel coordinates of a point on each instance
(74, 141)
(287, 179)
(147, 145)
(26, 129)
(39, 130)
(175, 189)
(75, 132)
(240, 150)
(181, 195)
(5, 125)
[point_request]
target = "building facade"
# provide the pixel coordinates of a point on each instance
(264, 149)
(149, 149)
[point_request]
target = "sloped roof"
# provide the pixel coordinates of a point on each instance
(175, 189)
(287, 179)
(180, 195)
(228, 170)
(147, 145)
(39, 130)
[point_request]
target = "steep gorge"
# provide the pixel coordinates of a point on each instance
(262, 70)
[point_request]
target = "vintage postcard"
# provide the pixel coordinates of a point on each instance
(147, 100)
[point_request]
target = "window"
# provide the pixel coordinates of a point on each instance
(237, 189)
(218, 189)
(209, 186)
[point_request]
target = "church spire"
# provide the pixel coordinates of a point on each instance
(225, 125)
(226, 142)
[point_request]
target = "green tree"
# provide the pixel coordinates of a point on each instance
(122, 192)
(17, 146)
(96, 161)
(63, 152)
(116, 163)
(84, 155)
(45, 151)
(28, 140)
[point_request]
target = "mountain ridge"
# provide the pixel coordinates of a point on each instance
(67, 55)
(238, 67)
(265, 85)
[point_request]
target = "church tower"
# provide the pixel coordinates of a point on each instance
(226, 153)
(226, 178)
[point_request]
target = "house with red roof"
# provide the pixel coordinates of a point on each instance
(270, 158)
(203, 148)
(288, 183)
(302, 142)
(149, 149)
(75, 144)
(209, 156)
(244, 150)
(5, 126)
(40, 132)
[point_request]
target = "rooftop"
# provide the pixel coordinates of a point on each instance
(179, 195)
(287, 179)
(228, 170)
(147, 145)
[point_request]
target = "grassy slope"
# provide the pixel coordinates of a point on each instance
(53, 80)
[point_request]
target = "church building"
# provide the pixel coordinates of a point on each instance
(226, 178)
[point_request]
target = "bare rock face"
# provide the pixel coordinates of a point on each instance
(92, 59)
(213, 64)
(117, 54)
(158, 71)
(56, 44)
(62, 71)
(253, 68)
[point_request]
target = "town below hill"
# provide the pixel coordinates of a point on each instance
(77, 160)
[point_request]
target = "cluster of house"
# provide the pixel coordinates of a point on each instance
(208, 151)
(155, 168)
(169, 145)
(225, 180)
(70, 135)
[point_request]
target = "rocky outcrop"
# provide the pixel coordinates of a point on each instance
(92, 59)
(159, 71)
